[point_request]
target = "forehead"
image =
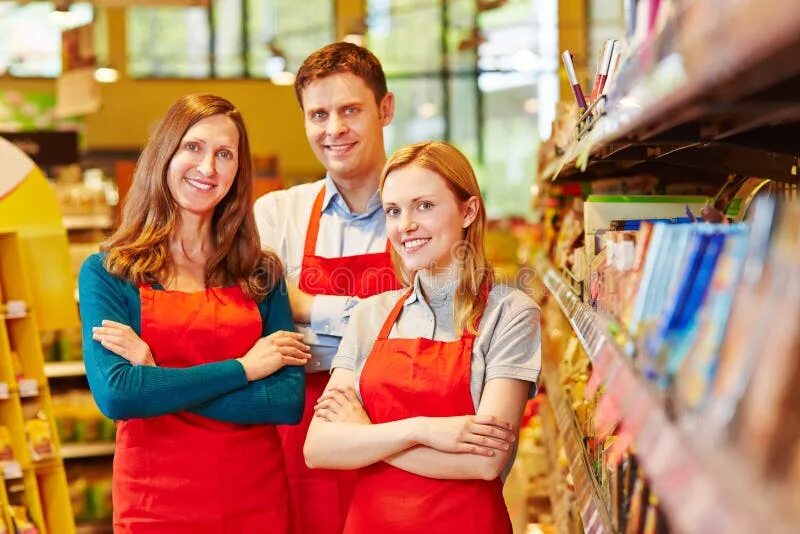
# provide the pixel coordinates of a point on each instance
(218, 129)
(336, 89)
(413, 181)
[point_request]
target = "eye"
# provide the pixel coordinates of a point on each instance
(392, 211)
(351, 110)
(318, 115)
(191, 146)
(425, 205)
(225, 154)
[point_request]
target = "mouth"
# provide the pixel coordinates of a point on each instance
(200, 185)
(340, 148)
(412, 245)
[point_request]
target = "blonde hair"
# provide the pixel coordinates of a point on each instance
(138, 251)
(476, 275)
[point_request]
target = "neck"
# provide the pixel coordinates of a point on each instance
(356, 192)
(192, 237)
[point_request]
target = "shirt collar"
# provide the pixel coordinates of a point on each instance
(444, 293)
(333, 196)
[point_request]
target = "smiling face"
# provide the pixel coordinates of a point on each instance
(344, 125)
(424, 218)
(204, 166)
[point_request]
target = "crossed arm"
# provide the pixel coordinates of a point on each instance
(220, 390)
(341, 435)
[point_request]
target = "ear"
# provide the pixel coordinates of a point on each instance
(386, 109)
(470, 210)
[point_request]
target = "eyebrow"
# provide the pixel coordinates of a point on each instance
(198, 140)
(417, 199)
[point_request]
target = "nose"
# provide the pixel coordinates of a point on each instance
(207, 164)
(407, 223)
(336, 125)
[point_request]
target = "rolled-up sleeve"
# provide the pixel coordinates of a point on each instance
(515, 350)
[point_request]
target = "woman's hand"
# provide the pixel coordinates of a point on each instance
(273, 352)
(122, 340)
(341, 405)
(474, 434)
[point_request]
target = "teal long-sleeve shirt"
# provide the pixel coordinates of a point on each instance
(218, 390)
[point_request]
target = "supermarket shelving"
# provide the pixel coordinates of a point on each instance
(701, 491)
(718, 95)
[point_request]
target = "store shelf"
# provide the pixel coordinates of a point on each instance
(64, 369)
(87, 222)
(559, 498)
(721, 86)
(593, 509)
(86, 450)
(709, 492)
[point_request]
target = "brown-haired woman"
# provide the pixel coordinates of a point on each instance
(188, 337)
(416, 366)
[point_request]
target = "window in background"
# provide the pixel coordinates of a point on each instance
(406, 36)
(229, 58)
(236, 39)
(30, 36)
(168, 42)
(484, 79)
(518, 81)
(280, 35)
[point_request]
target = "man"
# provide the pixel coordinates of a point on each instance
(331, 236)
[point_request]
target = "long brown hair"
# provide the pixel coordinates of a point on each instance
(139, 249)
(476, 274)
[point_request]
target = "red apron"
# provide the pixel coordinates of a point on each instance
(321, 497)
(184, 473)
(405, 378)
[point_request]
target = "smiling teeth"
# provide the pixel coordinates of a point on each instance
(199, 185)
(415, 243)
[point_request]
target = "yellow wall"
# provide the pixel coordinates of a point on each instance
(573, 35)
(131, 107)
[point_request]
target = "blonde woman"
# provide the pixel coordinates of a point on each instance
(429, 383)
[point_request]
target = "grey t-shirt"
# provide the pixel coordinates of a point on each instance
(507, 344)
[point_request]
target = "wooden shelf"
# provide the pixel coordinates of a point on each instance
(710, 492)
(87, 222)
(64, 369)
(720, 98)
(86, 450)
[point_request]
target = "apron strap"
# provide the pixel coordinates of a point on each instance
(390, 320)
(395, 313)
(313, 224)
(312, 231)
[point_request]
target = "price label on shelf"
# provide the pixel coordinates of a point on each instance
(28, 387)
(11, 469)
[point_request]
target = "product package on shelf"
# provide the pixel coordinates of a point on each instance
(701, 371)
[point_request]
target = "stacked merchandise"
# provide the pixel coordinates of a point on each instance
(601, 461)
(715, 315)
(79, 420)
(707, 314)
(90, 491)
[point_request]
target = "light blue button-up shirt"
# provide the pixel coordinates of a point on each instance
(282, 218)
